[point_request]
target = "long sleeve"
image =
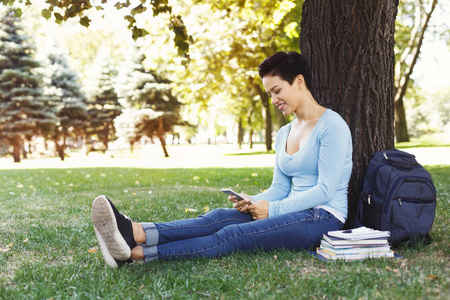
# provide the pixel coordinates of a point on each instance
(317, 174)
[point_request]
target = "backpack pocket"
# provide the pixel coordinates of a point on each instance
(412, 208)
(411, 220)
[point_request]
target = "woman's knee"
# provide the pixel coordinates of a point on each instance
(228, 215)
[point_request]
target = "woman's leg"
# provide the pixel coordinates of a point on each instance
(299, 230)
(213, 221)
(152, 234)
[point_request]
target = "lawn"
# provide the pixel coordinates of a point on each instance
(48, 248)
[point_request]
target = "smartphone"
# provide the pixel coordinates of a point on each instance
(231, 192)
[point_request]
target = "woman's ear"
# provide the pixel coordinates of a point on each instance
(299, 80)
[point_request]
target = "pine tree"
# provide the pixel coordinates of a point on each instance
(144, 89)
(68, 100)
(103, 101)
(23, 109)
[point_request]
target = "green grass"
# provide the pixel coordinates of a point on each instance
(46, 243)
(428, 140)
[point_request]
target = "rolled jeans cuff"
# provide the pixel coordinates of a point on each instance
(150, 253)
(152, 234)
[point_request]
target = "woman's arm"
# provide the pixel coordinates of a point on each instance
(334, 143)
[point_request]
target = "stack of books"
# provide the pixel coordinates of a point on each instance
(355, 244)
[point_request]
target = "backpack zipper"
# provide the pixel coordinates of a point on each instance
(400, 200)
(394, 187)
(375, 172)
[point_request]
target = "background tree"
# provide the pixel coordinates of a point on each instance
(144, 89)
(409, 41)
(68, 100)
(226, 65)
(350, 45)
(263, 28)
(103, 102)
(23, 111)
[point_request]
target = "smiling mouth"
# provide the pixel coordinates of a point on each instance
(280, 106)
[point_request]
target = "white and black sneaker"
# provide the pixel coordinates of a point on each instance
(114, 229)
(109, 260)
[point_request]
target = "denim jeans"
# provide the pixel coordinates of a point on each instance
(223, 231)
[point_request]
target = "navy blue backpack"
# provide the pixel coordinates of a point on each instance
(397, 195)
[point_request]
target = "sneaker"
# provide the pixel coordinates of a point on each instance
(109, 260)
(114, 228)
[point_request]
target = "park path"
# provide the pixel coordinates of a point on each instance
(192, 156)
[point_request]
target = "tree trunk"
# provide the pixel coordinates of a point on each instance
(161, 135)
(240, 135)
(59, 148)
(106, 137)
(401, 127)
(267, 117)
(16, 142)
(250, 126)
(163, 144)
(350, 45)
(24, 151)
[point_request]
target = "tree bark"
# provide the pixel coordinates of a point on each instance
(161, 135)
(350, 45)
(59, 148)
(16, 143)
(267, 117)
(240, 135)
(250, 126)
(401, 127)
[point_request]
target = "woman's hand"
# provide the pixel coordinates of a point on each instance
(259, 210)
(241, 205)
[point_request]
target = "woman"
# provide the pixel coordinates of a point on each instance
(307, 197)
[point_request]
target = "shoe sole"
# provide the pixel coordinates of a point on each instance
(105, 222)
(109, 260)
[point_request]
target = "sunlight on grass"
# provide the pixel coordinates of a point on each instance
(429, 140)
(48, 247)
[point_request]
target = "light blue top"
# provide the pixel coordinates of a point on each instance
(317, 175)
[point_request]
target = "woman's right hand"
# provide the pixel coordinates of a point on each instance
(241, 205)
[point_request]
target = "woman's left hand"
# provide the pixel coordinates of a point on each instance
(259, 210)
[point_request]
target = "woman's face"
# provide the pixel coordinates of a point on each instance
(282, 93)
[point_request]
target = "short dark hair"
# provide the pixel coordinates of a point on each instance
(286, 65)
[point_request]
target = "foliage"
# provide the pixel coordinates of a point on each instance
(428, 112)
(103, 103)
(68, 100)
(223, 66)
(145, 89)
(63, 10)
(48, 248)
(23, 110)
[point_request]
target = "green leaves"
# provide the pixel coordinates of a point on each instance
(182, 39)
(46, 13)
(85, 21)
(138, 10)
(67, 9)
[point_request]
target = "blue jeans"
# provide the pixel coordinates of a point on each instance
(223, 231)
